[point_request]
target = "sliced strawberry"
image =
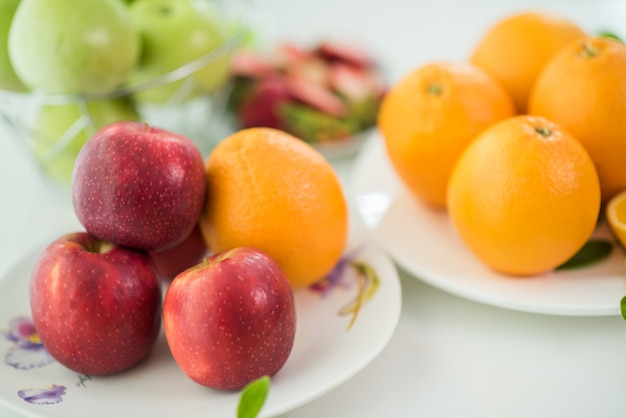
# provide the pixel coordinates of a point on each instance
(250, 64)
(321, 94)
(315, 95)
(336, 51)
(288, 54)
(355, 83)
(260, 109)
(313, 70)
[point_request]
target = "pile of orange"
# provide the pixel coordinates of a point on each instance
(521, 144)
(430, 116)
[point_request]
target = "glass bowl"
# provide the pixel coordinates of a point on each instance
(53, 128)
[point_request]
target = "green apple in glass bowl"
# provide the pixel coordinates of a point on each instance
(8, 78)
(54, 123)
(61, 130)
(177, 36)
(73, 47)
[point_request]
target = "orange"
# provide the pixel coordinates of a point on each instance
(583, 89)
(270, 190)
(517, 47)
(616, 216)
(525, 196)
(429, 117)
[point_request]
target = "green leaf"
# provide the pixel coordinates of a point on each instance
(592, 252)
(623, 307)
(253, 397)
(611, 35)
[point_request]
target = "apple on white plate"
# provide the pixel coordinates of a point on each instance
(231, 319)
(96, 306)
(138, 185)
(172, 261)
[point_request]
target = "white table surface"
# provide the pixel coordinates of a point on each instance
(449, 357)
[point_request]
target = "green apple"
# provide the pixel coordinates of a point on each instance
(73, 47)
(174, 33)
(62, 130)
(8, 79)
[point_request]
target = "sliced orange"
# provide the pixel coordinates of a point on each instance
(616, 216)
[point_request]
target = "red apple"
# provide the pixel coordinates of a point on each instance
(171, 261)
(95, 305)
(231, 319)
(138, 185)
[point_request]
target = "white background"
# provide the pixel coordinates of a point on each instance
(449, 357)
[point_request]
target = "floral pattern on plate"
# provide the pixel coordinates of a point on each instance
(348, 271)
(27, 351)
(45, 396)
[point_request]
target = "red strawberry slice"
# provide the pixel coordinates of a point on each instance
(249, 64)
(355, 83)
(313, 70)
(316, 95)
(260, 109)
(288, 54)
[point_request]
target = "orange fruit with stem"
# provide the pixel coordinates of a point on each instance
(583, 89)
(516, 48)
(428, 118)
(524, 197)
(272, 191)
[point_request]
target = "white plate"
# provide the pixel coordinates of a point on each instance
(324, 355)
(424, 243)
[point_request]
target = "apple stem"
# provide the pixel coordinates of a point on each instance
(105, 247)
